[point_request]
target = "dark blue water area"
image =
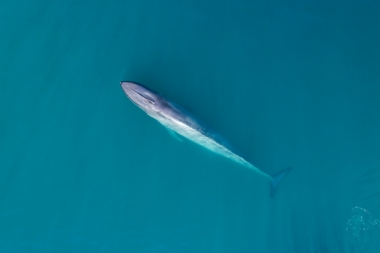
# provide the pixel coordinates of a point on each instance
(289, 83)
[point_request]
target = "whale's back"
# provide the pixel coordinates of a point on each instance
(184, 123)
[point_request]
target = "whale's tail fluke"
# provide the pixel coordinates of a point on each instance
(276, 179)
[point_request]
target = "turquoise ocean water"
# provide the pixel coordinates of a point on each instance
(289, 83)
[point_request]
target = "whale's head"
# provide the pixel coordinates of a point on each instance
(142, 96)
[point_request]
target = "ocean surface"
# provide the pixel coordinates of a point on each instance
(289, 83)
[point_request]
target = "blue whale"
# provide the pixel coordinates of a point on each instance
(177, 119)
